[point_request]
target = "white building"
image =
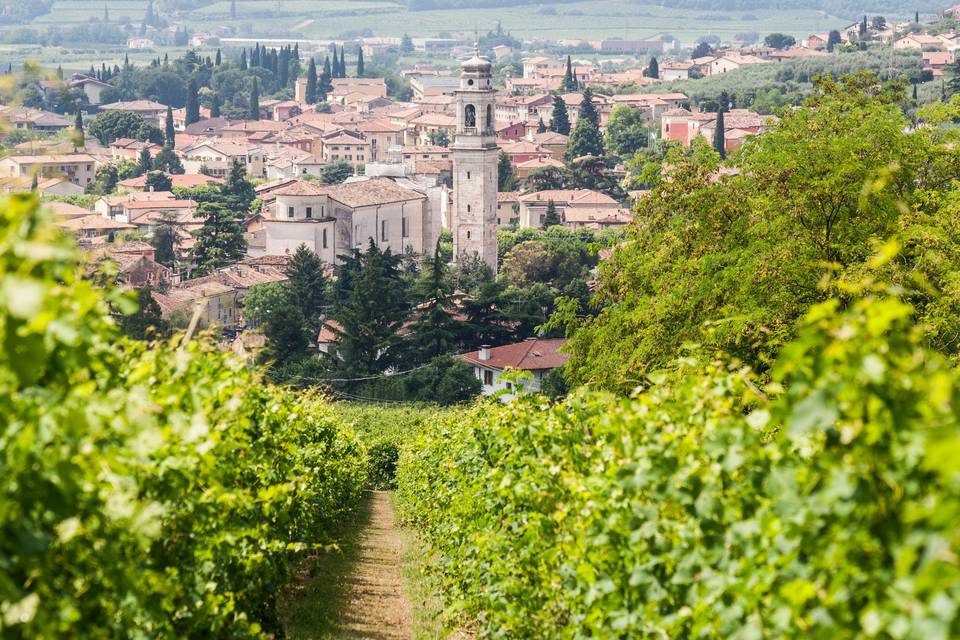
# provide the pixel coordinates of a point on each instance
(535, 357)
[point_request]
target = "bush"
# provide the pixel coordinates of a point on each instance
(703, 509)
(145, 489)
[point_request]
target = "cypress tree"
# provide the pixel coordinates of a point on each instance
(215, 106)
(217, 61)
(863, 26)
(233, 9)
(916, 17)
(283, 68)
(255, 100)
(311, 82)
(569, 82)
(255, 56)
(653, 70)
(541, 128)
(586, 139)
(144, 161)
(359, 62)
(560, 119)
(169, 135)
(551, 218)
(243, 60)
(193, 103)
(719, 136)
(343, 63)
(327, 74)
(78, 121)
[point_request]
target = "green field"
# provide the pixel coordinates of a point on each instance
(332, 18)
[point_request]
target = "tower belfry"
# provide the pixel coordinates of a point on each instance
(475, 157)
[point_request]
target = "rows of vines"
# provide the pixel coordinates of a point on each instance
(820, 505)
(145, 492)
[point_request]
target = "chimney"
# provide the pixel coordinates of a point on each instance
(484, 352)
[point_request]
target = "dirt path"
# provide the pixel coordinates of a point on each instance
(375, 606)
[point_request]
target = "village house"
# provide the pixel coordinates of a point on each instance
(919, 41)
(78, 168)
(44, 187)
(216, 158)
(534, 356)
(130, 149)
(683, 126)
(524, 169)
(674, 70)
(130, 206)
(936, 62)
(382, 135)
(177, 180)
(92, 228)
(420, 128)
(180, 117)
(90, 86)
(584, 207)
(214, 302)
(424, 86)
(153, 112)
(28, 119)
(345, 146)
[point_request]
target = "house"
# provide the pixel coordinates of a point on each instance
(130, 149)
(184, 181)
(141, 43)
(45, 187)
(180, 117)
(919, 41)
(732, 62)
(131, 206)
(524, 169)
(675, 70)
(216, 158)
(817, 41)
(370, 86)
(683, 125)
(90, 86)
(508, 209)
(937, 61)
(534, 356)
(597, 207)
(153, 112)
(214, 302)
(420, 128)
(285, 110)
(92, 227)
(345, 146)
(523, 150)
(382, 135)
(433, 85)
(78, 168)
(27, 119)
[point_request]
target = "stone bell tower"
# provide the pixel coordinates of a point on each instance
(475, 157)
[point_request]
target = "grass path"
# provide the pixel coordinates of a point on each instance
(357, 592)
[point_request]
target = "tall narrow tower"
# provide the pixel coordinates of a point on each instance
(475, 156)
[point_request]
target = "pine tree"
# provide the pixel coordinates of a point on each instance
(311, 96)
(220, 240)
(193, 103)
(719, 135)
(359, 62)
(254, 112)
(308, 285)
(215, 106)
(560, 119)
(551, 218)
(169, 134)
(435, 329)
(243, 60)
(217, 61)
(144, 161)
(370, 307)
(653, 69)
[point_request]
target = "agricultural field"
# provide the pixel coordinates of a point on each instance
(331, 18)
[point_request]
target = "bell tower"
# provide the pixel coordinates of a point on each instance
(475, 157)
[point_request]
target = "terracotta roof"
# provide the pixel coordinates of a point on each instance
(93, 221)
(161, 204)
(134, 105)
(530, 355)
(328, 332)
(176, 180)
(67, 210)
(301, 188)
(67, 158)
(365, 193)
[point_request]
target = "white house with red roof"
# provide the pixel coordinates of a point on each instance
(535, 356)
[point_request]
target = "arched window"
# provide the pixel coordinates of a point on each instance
(470, 116)
(489, 116)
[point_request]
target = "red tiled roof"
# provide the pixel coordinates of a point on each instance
(530, 355)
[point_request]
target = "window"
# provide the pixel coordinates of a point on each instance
(468, 208)
(468, 175)
(383, 230)
(309, 212)
(324, 238)
(488, 377)
(289, 212)
(470, 117)
(509, 386)
(489, 123)
(404, 228)
(468, 235)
